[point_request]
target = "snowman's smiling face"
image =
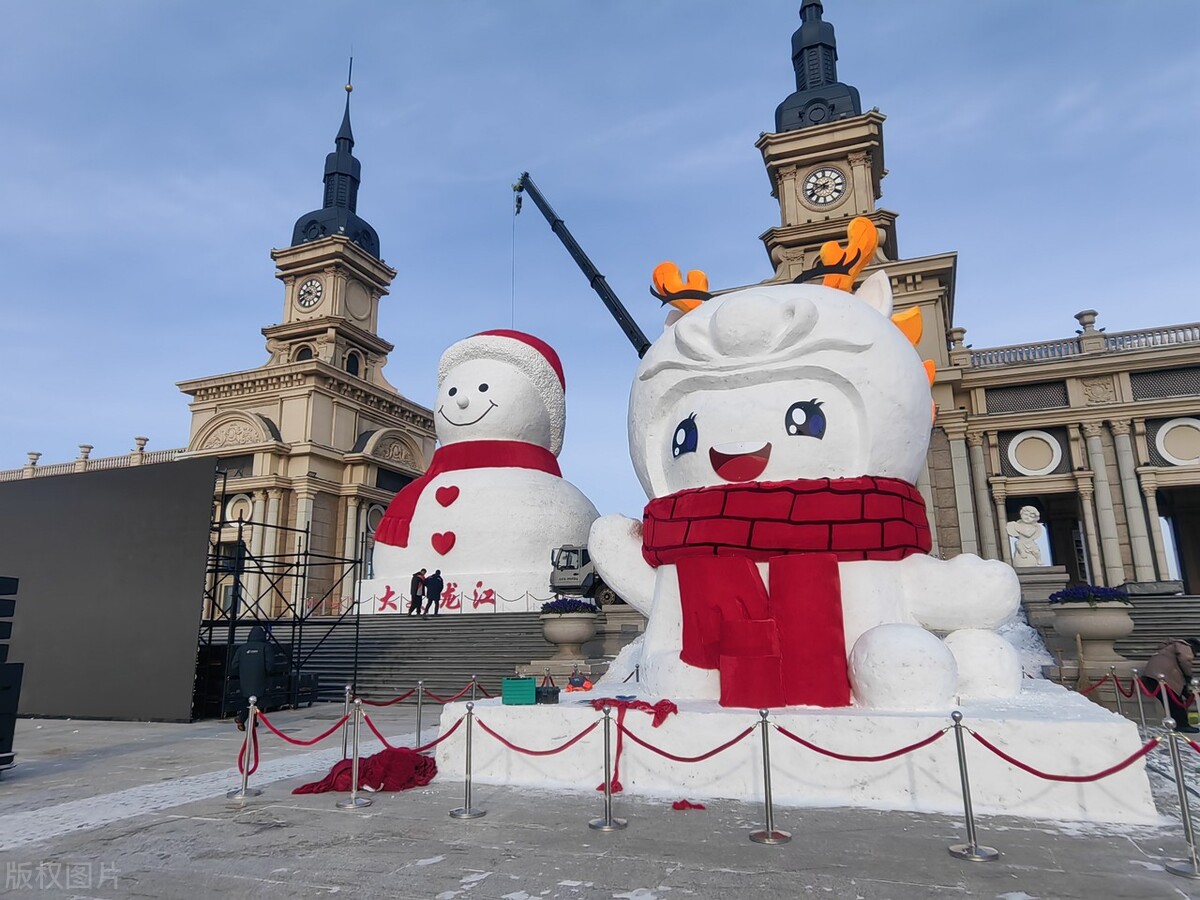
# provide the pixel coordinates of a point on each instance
(489, 400)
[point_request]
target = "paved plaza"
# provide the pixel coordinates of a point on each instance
(118, 809)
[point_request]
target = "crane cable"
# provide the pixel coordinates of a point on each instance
(512, 286)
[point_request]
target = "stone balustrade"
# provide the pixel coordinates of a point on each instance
(85, 463)
(1023, 354)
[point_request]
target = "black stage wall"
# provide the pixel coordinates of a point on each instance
(112, 587)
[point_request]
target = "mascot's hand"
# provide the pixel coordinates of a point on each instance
(615, 544)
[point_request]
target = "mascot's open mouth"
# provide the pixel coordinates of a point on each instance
(442, 413)
(740, 462)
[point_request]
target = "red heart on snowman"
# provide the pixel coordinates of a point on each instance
(443, 541)
(446, 495)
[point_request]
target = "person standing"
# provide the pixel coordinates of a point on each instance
(251, 665)
(433, 592)
(416, 591)
(1172, 666)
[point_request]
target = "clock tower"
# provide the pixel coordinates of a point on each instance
(825, 157)
(315, 441)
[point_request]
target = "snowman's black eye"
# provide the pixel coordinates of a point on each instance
(483, 388)
(686, 437)
(805, 419)
(452, 391)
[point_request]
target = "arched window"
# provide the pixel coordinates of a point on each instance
(304, 353)
(353, 363)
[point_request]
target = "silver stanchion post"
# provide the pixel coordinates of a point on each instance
(420, 704)
(354, 801)
(467, 811)
(637, 673)
(1190, 867)
(1112, 671)
(971, 849)
(247, 749)
(1137, 692)
(608, 823)
(769, 834)
(346, 724)
(474, 685)
(1166, 705)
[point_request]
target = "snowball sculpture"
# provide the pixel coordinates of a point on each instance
(493, 503)
(783, 556)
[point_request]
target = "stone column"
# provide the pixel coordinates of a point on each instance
(350, 547)
(275, 600)
(1090, 535)
(1135, 513)
(987, 527)
(254, 584)
(304, 511)
(1114, 571)
(1150, 492)
(999, 495)
(925, 486)
(962, 487)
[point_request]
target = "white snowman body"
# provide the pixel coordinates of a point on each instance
(787, 382)
(490, 524)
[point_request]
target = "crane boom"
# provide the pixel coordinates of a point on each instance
(632, 331)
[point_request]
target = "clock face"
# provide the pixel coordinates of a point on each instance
(309, 294)
(824, 187)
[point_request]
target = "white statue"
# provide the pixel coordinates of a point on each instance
(1026, 552)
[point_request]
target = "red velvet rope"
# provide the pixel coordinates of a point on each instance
(299, 743)
(684, 759)
(375, 731)
(1153, 695)
(391, 702)
(432, 696)
(1111, 770)
(242, 754)
(559, 749)
(1124, 693)
(1195, 746)
(484, 691)
(1091, 687)
(846, 757)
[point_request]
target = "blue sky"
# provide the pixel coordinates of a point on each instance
(156, 152)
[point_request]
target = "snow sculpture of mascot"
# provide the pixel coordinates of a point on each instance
(493, 503)
(783, 556)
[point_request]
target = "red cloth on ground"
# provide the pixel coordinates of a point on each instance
(395, 769)
(393, 527)
(686, 804)
(660, 711)
(787, 648)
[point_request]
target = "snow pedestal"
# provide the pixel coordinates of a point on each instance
(1046, 727)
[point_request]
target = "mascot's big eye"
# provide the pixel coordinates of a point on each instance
(805, 419)
(686, 436)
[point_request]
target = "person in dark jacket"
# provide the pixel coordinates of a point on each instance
(1172, 666)
(251, 663)
(433, 592)
(415, 591)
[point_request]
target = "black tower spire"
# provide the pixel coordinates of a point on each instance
(819, 96)
(339, 215)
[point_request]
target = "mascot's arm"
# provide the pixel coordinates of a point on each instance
(615, 544)
(964, 592)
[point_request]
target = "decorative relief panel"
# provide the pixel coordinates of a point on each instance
(395, 450)
(232, 434)
(1098, 389)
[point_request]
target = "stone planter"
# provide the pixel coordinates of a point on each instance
(1097, 627)
(570, 631)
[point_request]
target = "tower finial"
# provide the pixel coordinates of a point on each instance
(819, 96)
(350, 75)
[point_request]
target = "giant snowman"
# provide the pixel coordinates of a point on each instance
(493, 503)
(783, 558)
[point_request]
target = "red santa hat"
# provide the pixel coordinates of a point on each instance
(533, 356)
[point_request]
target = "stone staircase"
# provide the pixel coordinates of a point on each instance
(395, 651)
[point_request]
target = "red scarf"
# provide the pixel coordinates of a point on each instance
(393, 528)
(787, 648)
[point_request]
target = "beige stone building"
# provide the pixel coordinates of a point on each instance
(1098, 432)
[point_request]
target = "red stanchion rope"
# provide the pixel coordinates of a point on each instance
(242, 754)
(684, 759)
(1111, 770)
(1195, 746)
(553, 750)
(1095, 684)
(486, 693)
(434, 697)
(1124, 693)
(297, 741)
(391, 702)
(375, 731)
(1154, 694)
(847, 757)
